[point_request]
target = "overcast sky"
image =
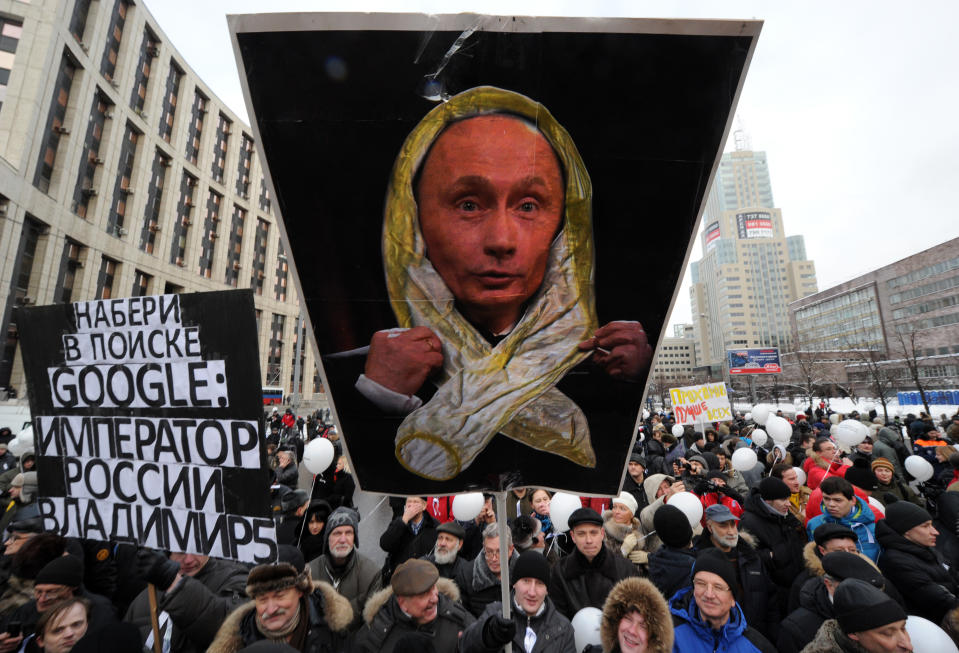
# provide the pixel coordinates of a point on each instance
(855, 104)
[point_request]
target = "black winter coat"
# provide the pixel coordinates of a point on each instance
(554, 633)
(576, 583)
(930, 590)
(758, 598)
(779, 540)
(288, 476)
(669, 569)
(799, 628)
(401, 544)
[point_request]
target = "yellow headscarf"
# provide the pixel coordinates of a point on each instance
(508, 388)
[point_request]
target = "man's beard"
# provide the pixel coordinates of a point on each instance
(728, 540)
(444, 557)
(341, 551)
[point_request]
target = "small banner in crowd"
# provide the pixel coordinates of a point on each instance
(147, 421)
(696, 404)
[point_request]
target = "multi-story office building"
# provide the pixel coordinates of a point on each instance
(750, 269)
(122, 174)
(902, 312)
(676, 357)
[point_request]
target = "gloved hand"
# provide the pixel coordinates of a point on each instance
(629, 543)
(638, 557)
(498, 631)
(156, 568)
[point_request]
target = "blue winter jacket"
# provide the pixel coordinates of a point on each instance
(692, 635)
(861, 520)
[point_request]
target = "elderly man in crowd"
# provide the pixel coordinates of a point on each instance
(752, 580)
(411, 535)
(533, 620)
(585, 577)
(195, 593)
(355, 576)
(708, 613)
(418, 600)
(480, 581)
(867, 620)
(288, 608)
(446, 553)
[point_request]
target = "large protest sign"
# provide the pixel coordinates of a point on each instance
(468, 352)
(147, 419)
(697, 404)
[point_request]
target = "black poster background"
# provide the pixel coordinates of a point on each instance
(227, 331)
(646, 111)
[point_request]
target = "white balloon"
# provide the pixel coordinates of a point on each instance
(19, 445)
(561, 506)
(919, 467)
(690, 504)
(849, 434)
(467, 507)
(678, 430)
(760, 413)
(780, 430)
(744, 459)
(645, 414)
(801, 475)
(834, 418)
(748, 416)
(758, 436)
(586, 624)
(318, 455)
(862, 427)
(927, 637)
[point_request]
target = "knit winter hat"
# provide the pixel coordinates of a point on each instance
(902, 516)
(859, 606)
(860, 475)
(772, 488)
(276, 577)
(637, 458)
(713, 561)
(883, 462)
(627, 500)
(530, 564)
(65, 570)
(343, 516)
(672, 526)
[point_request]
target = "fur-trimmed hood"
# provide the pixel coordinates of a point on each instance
(651, 485)
(336, 611)
(642, 595)
(376, 602)
(810, 556)
(830, 639)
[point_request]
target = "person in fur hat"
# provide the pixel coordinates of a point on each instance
(635, 619)
(417, 600)
(287, 606)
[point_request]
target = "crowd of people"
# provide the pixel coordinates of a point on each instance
(818, 547)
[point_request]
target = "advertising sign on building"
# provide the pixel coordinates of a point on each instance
(755, 224)
(453, 361)
(147, 417)
(754, 361)
(697, 404)
(712, 235)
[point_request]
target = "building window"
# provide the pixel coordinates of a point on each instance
(211, 223)
(219, 148)
(274, 361)
(90, 159)
(169, 102)
(54, 125)
(197, 113)
(69, 265)
(149, 49)
(20, 285)
(151, 216)
(264, 196)
(243, 168)
(282, 271)
(10, 32)
(108, 273)
(141, 284)
(297, 335)
(184, 213)
(108, 64)
(236, 245)
(121, 188)
(259, 255)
